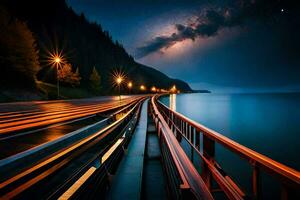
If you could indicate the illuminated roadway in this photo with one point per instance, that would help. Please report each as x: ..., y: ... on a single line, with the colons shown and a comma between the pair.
x: 55, y: 164
x: 24, y: 125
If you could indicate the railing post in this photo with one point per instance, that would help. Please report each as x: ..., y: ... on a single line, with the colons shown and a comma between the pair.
x: 186, y: 129
x: 256, y: 182
x: 190, y: 133
x: 192, y: 141
x: 179, y: 136
x: 197, y: 139
x: 183, y: 128
x: 188, y: 136
x: 171, y: 121
x: 209, y: 153
x: 168, y: 117
x: 286, y: 192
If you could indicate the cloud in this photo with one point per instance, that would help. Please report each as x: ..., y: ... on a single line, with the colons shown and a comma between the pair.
x: 203, y: 26
x: 207, y: 23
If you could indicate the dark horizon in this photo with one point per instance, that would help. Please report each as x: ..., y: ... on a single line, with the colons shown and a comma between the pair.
x: 215, y: 45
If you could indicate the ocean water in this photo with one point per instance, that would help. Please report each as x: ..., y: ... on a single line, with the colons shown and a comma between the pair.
x: 266, y: 123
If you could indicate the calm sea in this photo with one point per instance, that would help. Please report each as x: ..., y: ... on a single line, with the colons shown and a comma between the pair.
x: 266, y: 123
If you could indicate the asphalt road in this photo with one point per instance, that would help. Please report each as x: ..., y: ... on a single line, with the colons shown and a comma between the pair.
x: 24, y: 125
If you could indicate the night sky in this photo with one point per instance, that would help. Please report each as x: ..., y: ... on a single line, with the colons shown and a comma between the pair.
x: 242, y: 45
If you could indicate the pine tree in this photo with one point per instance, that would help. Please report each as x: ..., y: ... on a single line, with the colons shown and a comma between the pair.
x: 18, y: 55
x: 76, y: 77
x: 95, y: 80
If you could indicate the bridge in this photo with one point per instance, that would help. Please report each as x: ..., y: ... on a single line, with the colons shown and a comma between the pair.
x: 129, y: 148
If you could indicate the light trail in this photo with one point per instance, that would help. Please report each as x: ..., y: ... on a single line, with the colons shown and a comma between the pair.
x: 47, y: 118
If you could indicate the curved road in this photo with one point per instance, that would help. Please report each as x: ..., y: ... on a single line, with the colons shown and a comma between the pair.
x: 24, y: 125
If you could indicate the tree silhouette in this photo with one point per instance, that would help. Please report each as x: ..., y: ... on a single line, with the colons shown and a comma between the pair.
x: 95, y: 81
x: 18, y: 55
x: 67, y: 76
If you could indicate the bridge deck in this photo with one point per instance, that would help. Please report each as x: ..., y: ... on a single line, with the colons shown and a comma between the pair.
x: 127, y: 183
x: 154, y: 183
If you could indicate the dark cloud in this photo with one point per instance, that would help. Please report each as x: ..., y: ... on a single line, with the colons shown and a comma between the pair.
x: 210, y: 21
x: 205, y: 26
x: 157, y: 43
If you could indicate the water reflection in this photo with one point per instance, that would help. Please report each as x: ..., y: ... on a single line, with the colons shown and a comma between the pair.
x: 263, y: 122
x: 173, y: 102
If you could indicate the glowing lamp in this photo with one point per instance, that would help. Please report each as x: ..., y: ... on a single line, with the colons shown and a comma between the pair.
x: 57, y: 60
x: 129, y: 85
x: 119, y: 80
x: 153, y: 89
x: 142, y: 87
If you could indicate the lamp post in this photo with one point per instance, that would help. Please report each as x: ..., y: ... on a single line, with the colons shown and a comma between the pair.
x: 57, y: 61
x: 173, y: 89
x: 142, y: 88
x: 129, y: 85
x: 119, y: 80
x: 153, y: 89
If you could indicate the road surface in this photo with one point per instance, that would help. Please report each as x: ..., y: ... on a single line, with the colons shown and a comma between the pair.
x: 24, y: 125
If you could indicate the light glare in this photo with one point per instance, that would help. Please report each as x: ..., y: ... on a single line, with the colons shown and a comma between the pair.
x: 129, y: 85
x: 142, y: 87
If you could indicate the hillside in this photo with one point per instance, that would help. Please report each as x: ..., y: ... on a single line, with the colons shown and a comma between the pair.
x: 85, y: 45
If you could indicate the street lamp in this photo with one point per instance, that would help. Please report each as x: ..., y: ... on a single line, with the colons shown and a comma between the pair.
x: 142, y: 87
x: 119, y: 80
x: 56, y: 59
x: 153, y: 89
x: 173, y: 89
x: 129, y: 85
x: 57, y: 62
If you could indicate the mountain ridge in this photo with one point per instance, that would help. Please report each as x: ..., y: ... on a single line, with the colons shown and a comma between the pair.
x: 85, y: 44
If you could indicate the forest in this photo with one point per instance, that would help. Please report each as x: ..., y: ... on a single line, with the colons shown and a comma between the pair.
x: 30, y: 34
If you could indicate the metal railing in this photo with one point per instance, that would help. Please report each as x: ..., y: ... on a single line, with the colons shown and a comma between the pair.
x: 31, y: 177
x: 97, y: 184
x: 17, y: 163
x: 183, y: 179
x: 202, y: 141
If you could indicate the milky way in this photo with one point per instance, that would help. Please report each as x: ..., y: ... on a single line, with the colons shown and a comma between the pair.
x: 210, y: 20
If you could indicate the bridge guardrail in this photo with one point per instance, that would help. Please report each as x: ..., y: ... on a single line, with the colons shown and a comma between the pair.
x: 61, y: 155
x: 190, y: 130
x: 96, y: 185
x: 21, y: 160
x: 183, y: 178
